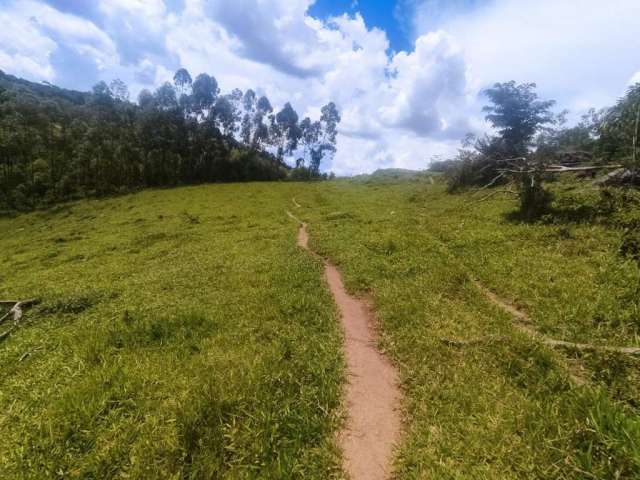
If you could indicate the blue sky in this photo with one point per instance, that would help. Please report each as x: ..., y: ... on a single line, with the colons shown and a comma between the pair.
x: 408, y: 75
x: 396, y: 17
x: 385, y: 15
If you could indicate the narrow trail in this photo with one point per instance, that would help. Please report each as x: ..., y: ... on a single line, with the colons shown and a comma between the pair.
x: 373, y: 393
x: 525, y: 324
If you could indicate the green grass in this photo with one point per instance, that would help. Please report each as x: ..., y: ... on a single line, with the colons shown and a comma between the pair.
x: 181, y: 334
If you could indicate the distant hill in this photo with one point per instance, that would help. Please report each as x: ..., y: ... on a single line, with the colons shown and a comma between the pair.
x: 43, y: 90
x: 396, y: 172
x: 392, y: 174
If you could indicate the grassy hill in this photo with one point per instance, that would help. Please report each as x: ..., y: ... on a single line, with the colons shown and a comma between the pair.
x: 181, y: 334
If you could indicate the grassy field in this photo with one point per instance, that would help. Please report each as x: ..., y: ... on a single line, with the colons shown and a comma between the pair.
x: 181, y: 334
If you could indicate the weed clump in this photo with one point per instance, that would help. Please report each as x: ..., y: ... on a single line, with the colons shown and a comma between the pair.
x: 191, y: 219
x: 338, y: 216
x: 74, y: 303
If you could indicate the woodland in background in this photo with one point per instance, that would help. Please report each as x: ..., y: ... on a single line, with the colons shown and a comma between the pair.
x: 58, y: 144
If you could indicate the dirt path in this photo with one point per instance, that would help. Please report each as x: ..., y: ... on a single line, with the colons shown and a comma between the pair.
x: 373, y: 393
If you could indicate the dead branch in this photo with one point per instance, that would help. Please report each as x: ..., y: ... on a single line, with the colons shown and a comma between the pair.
x: 558, y: 169
x: 28, y: 354
x: 16, y: 312
x: 6, y: 333
x: 5, y: 316
x: 591, y: 348
x: 487, y: 197
x: 490, y: 184
x: 454, y: 342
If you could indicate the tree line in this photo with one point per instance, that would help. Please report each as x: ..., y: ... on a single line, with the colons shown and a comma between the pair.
x: 58, y: 144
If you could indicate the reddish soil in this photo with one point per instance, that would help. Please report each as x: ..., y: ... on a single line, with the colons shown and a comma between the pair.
x: 372, y: 395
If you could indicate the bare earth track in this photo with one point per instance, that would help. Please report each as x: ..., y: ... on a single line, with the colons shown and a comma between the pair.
x: 525, y: 325
x: 373, y: 393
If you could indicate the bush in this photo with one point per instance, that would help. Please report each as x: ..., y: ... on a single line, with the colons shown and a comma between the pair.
x: 470, y: 169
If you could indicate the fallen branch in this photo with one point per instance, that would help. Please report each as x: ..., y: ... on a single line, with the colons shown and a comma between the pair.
x: 558, y: 169
x: 590, y: 348
x: 25, y: 355
x: 487, y: 197
x: 454, y: 342
x: 491, y: 183
x: 16, y: 312
x: 6, y: 333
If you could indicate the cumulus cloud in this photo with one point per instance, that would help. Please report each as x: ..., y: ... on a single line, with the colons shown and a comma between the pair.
x: 270, y: 32
x: 435, y: 71
x: 579, y: 53
x: 25, y: 49
x: 390, y: 105
x: 32, y: 34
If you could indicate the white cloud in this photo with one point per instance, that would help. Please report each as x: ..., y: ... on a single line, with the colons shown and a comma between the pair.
x: 31, y: 33
x: 427, y: 90
x: 24, y: 50
x: 634, y: 79
x: 349, y: 66
x: 579, y: 53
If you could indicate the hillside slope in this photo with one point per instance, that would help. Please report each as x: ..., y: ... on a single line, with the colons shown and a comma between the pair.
x: 181, y: 333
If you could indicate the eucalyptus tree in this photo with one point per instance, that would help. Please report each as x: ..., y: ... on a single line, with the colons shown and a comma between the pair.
x: 224, y: 114
x: 286, y: 131
x: 119, y: 90
x: 204, y: 94
x: 182, y: 80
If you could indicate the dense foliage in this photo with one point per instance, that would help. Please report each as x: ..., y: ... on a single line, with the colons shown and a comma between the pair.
x: 58, y: 144
x: 619, y: 129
